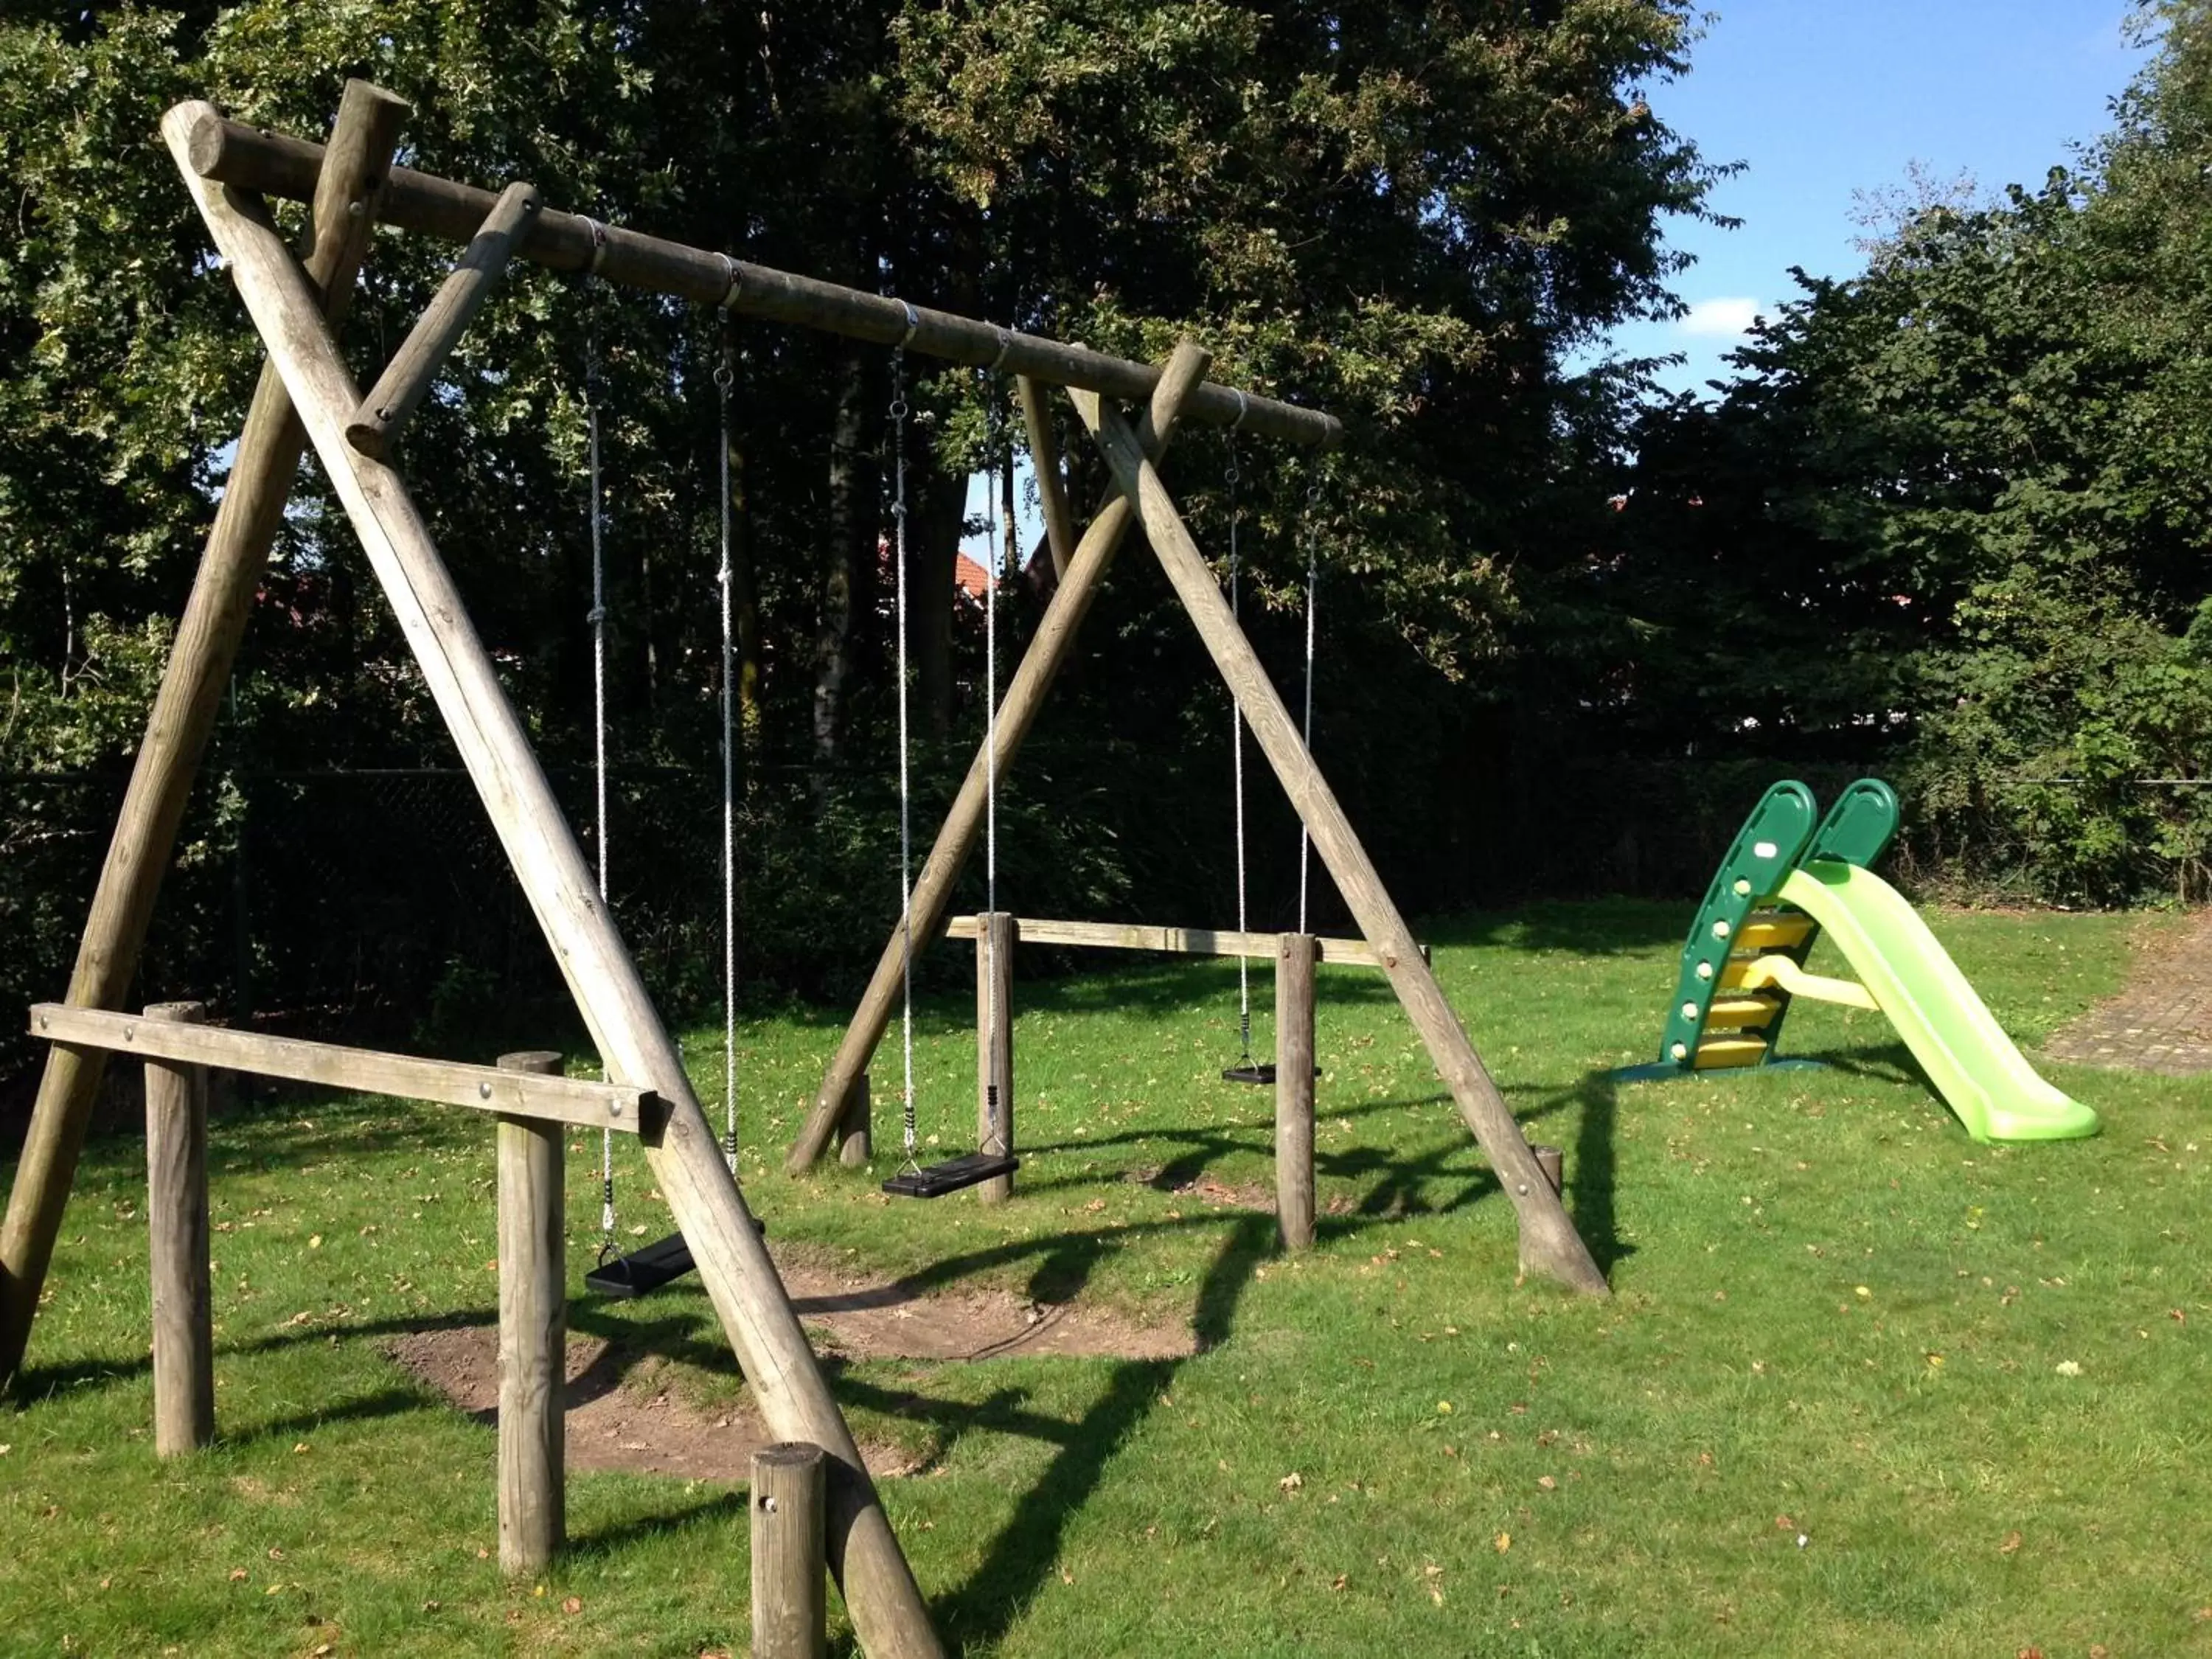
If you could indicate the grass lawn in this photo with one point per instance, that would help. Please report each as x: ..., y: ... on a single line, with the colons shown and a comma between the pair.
x: 1863, y: 1385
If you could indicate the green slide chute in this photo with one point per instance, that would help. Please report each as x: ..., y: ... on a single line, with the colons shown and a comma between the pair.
x: 1976, y: 1067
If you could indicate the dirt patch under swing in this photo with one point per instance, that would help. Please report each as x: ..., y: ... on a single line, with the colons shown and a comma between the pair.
x: 622, y: 1415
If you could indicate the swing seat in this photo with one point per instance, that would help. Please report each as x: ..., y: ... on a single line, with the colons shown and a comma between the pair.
x: 968, y: 1169
x: 646, y: 1270
x: 643, y: 1271
x: 1262, y: 1073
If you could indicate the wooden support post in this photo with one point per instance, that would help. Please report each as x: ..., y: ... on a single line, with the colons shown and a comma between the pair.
x: 1052, y: 487
x: 346, y: 198
x: 1055, y: 638
x: 856, y: 1128
x: 790, y: 1613
x: 1549, y: 1243
x: 176, y: 1223
x: 407, y: 379
x: 889, y: 1616
x: 995, y: 934
x: 1294, y: 1090
x: 534, y: 1333
x: 1553, y: 1164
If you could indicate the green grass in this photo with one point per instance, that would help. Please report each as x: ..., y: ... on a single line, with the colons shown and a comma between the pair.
x: 1834, y: 1316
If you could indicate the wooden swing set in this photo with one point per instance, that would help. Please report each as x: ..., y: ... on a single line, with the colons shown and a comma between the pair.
x: 305, y: 396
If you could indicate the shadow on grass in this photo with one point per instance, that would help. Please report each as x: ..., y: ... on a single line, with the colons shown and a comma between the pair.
x: 725, y: 1507
x: 1017, y: 1561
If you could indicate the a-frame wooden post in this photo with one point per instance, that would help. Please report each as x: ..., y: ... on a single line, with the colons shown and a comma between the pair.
x: 344, y: 215
x: 1040, y: 663
x: 1549, y: 1243
x: 879, y: 1589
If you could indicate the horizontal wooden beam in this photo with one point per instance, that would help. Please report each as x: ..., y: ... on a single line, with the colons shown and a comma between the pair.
x: 1176, y: 941
x: 275, y: 164
x: 517, y: 1094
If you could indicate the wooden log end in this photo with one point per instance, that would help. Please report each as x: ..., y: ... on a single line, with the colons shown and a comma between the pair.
x: 544, y: 1062
x: 366, y: 433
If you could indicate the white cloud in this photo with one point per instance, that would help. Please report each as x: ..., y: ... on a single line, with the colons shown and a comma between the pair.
x: 1722, y: 319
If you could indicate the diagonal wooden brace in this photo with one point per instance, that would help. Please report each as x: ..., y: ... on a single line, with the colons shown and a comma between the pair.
x: 888, y: 1613
x: 1549, y: 1242
x: 354, y: 171
x: 406, y: 380
x: 1040, y: 664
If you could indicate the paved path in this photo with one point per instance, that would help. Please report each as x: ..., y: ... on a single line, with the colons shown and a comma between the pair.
x: 2162, y: 1022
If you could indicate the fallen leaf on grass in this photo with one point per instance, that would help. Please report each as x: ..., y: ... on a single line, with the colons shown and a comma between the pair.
x: 238, y: 1574
x: 2068, y: 1368
x: 573, y: 1604
x: 1546, y: 1482
x: 1338, y: 1583
x: 1502, y: 1543
x: 2011, y: 1543
x: 1291, y: 1482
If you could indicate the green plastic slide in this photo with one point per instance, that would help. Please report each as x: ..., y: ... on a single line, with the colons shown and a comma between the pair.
x: 1974, y: 1065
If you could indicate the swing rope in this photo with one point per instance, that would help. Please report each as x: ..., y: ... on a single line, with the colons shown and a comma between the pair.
x: 725, y: 378
x: 898, y: 412
x: 1313, y: 589
x: 1236, y: 774
x: 996, y: 1139
x: 598, y: 619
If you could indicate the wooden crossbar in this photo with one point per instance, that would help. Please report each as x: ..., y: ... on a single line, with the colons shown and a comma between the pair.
x: 1177, y: 941
x: 246, y: 158
x: 365, y: 1071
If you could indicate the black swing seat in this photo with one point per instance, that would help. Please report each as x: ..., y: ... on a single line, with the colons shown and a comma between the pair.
x: 645, y: 1271
x: 1261, y: 1072
x: 968, y: 1169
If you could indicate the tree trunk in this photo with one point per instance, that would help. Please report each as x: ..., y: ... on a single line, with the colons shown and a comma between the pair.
x: 744, y: 606
x: 933, y: 545
x: 840, y: 567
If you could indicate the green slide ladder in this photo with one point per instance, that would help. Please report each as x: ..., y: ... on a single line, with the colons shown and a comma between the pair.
x: 1783, y: 882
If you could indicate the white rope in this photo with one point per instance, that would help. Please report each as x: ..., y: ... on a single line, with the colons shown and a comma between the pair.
x: 1237, y: 779
x: 993, y: 555
x: 599, y: 620
x: 1313, y: 583
x: 906, y: 815
x: 725, y: 376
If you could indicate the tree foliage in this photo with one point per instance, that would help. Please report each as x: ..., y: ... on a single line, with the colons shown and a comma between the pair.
x: 1409, y: 215
x: 1951, y: 517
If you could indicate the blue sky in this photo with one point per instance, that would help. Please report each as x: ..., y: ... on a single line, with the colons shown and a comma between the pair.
x: 1821, y: 98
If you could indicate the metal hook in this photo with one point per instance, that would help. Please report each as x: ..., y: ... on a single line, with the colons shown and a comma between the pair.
x: 734, y: 280
x: 1243, y: 408
x: 1005, y: 344
x: 912, y: 324
x: 598, y: 242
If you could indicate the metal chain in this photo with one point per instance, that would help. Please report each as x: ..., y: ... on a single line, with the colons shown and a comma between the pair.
x: 898, y: 413
x: 725, y: 378
x: 1237, y: 770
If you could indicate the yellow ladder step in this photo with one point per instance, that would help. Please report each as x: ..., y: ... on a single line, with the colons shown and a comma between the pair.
x: 1751, y: 1009
x: 1772, y: 930
x: 1720, y: 1054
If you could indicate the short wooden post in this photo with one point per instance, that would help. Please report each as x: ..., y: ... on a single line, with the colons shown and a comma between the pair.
x: 1553, y: 1162
x: 534, y: 1321
x: 995, y: 934
x: 177, y: 1221
x: 1294, y: 1090
x: 789, y: 1613
x: 856, y: 1128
